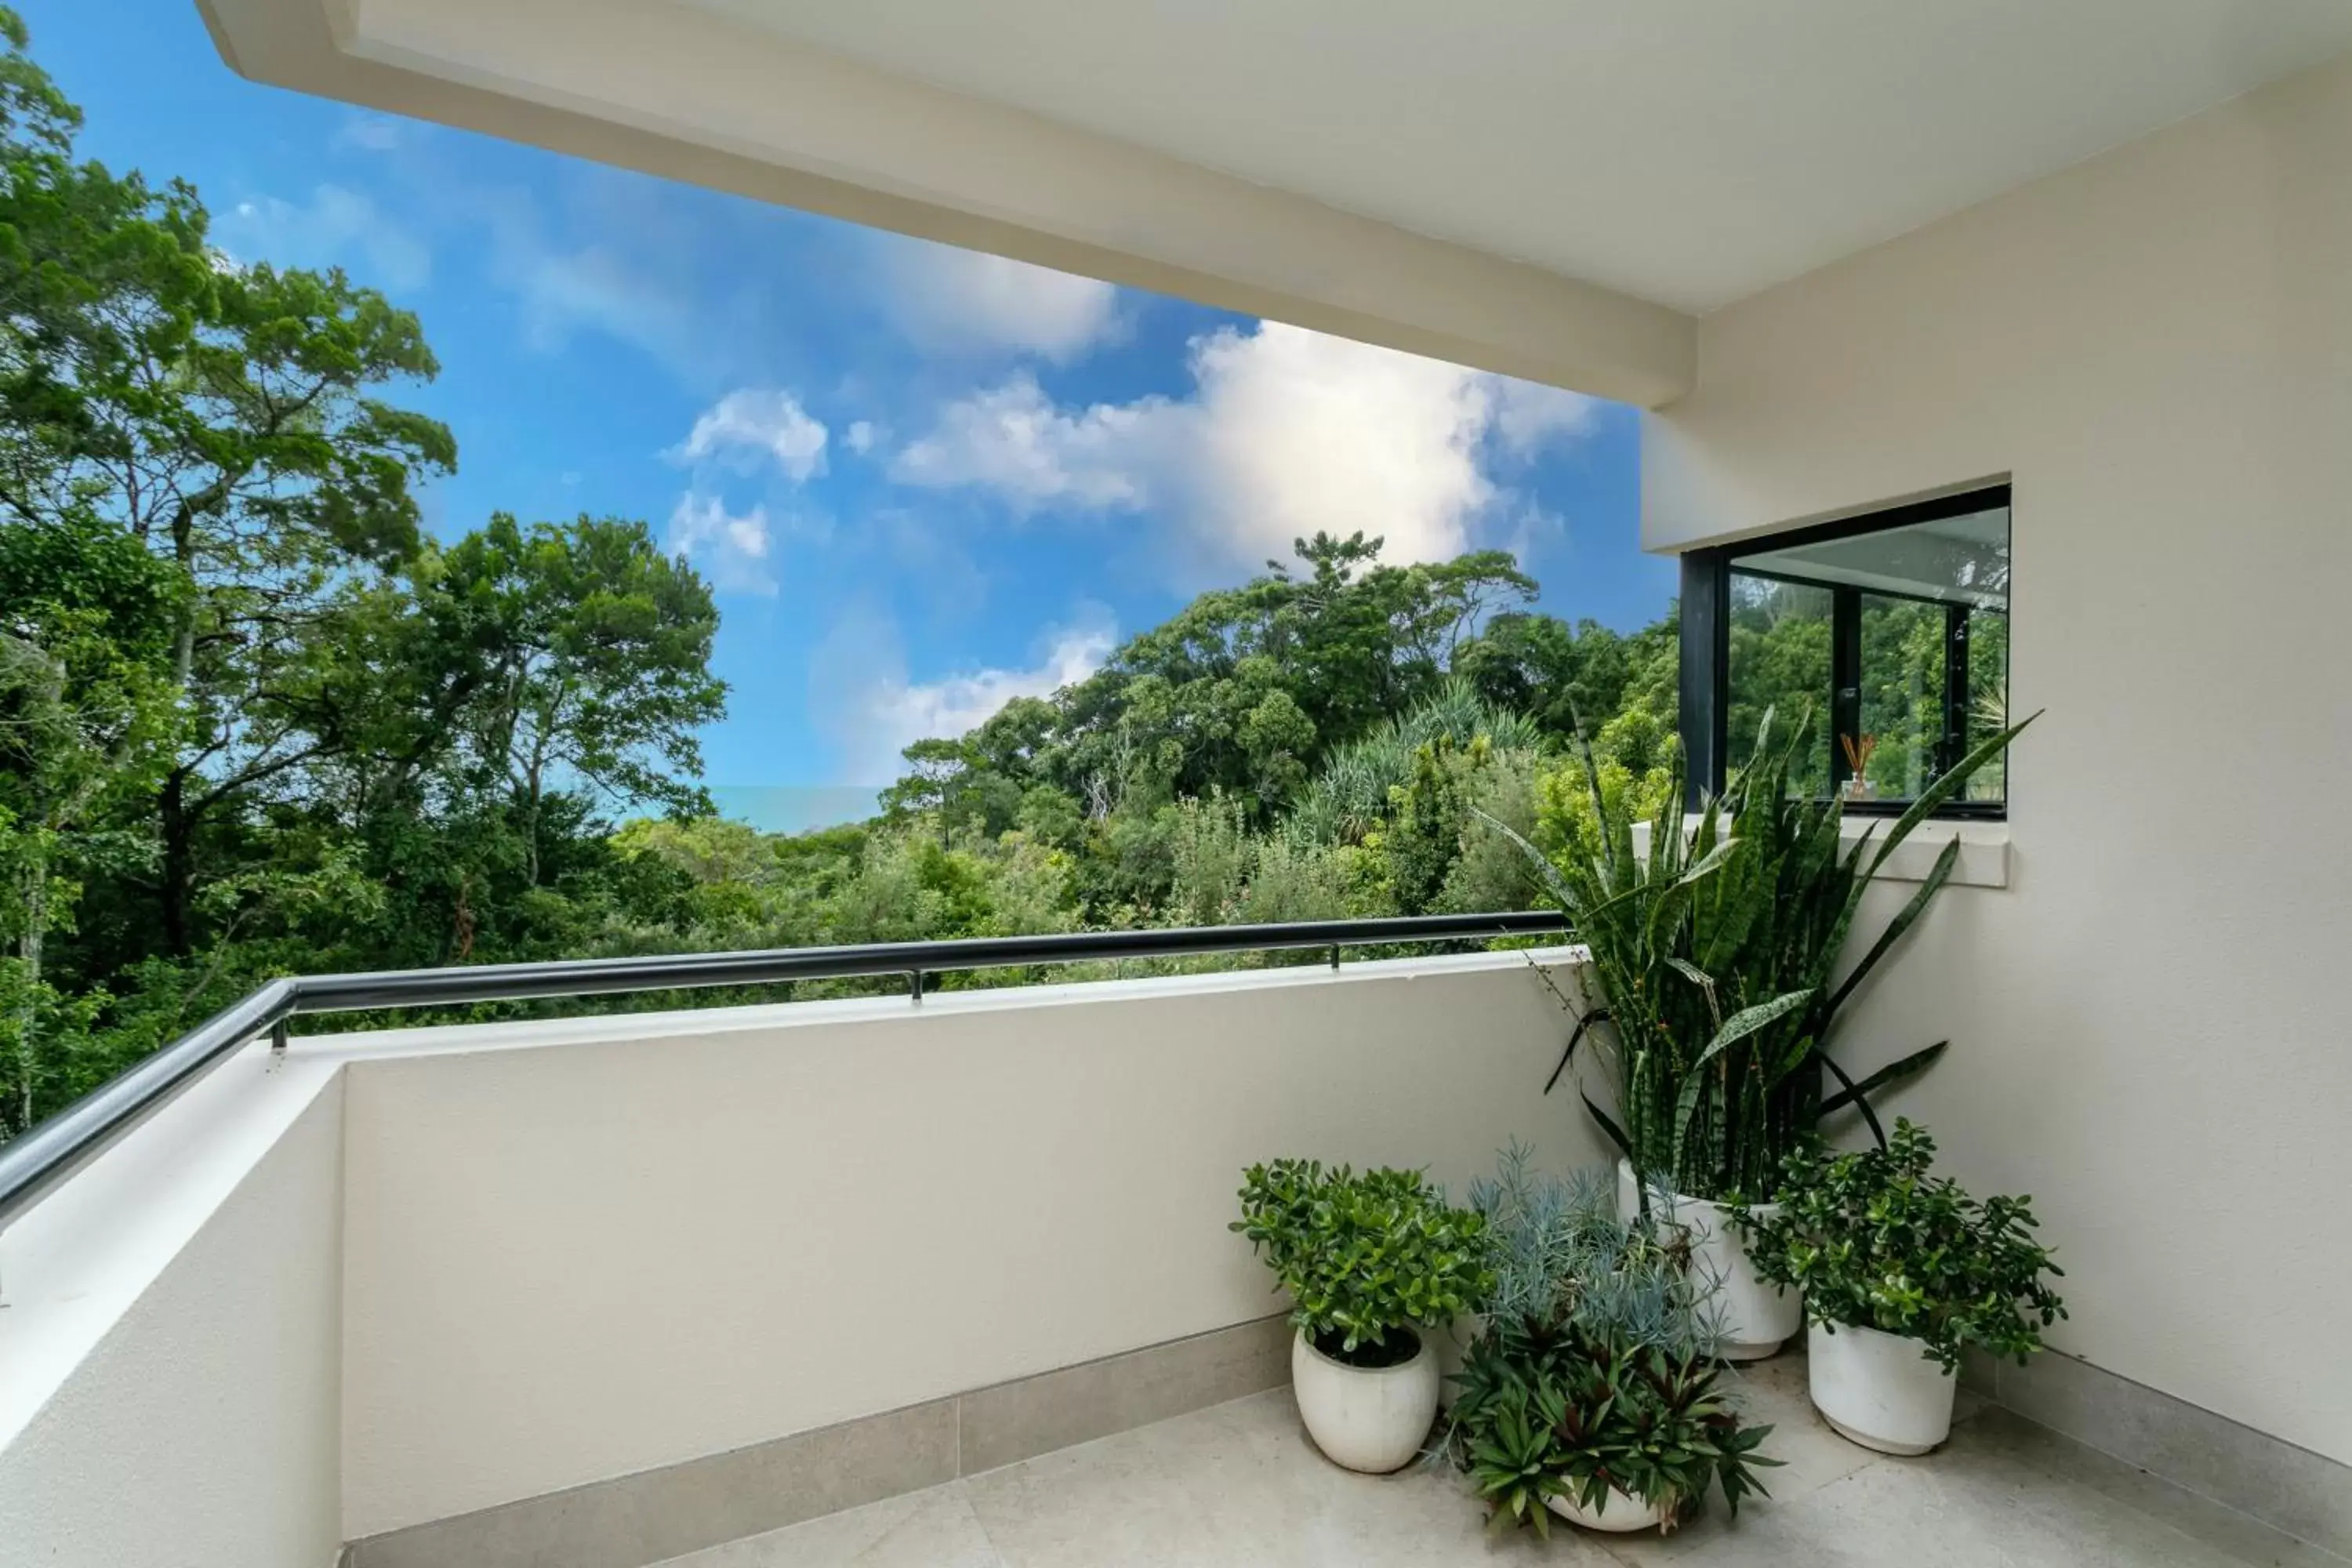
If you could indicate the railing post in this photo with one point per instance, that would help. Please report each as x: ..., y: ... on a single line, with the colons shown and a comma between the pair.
x: 915, y: 986
x: 278, y: 1037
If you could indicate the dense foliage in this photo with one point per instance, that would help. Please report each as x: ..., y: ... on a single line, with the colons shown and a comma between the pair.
x: 1595, y: 1370
x: 256, y: 719
x: 1362, y: 1257
x: 1874, y: 1241
x: 252, y: 717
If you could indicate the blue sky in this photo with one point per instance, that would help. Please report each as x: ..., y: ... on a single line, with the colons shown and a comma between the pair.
x: 921, y: 480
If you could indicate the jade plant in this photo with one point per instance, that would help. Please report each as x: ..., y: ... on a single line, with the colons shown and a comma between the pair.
x: 1595, y: 1372
x: 1365, y: 1257
x: 1874, y: 1241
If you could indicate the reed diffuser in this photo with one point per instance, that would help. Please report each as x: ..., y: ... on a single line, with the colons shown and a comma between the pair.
x: 1858, y: 749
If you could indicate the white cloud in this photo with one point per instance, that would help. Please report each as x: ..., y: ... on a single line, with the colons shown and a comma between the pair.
x: 1012, y: 440
x: 745, y: 432
x: 1287, y: 432
x: 957, y: 703
x: 751, y: 423
x: 967, y: 301
x: 733, y: 549
x: 374, y: 132
x: 862, y: 695
x: 862, y: 436
x: 1529, y: 416
x: 336, y: 227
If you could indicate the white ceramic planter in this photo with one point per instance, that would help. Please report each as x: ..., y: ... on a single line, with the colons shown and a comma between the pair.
x: 1366, y: 1418
x: 1758, y: 1318
x: 1621, y: 1511
x: 1878, y: 1390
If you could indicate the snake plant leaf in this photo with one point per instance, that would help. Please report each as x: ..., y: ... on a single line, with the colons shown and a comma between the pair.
x: 1747, y: 1021
x: 1616, y: 1133
x: 1554, y: 883
x: 1800, y: 1051
x: 1735, y: 1028
x: 1855, y: 1096
x: 1937, y: 875
x: 1931, y: 799
x: 1892, y: 1072
x: 1862, y: 844
x: 1692, y: 973
x: 1708, y: 864
x: 1600, y: 808
x: 1583, y: 1023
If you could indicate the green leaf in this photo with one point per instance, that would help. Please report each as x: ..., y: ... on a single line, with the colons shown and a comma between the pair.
x: 1916, y: 1062
x: 1553, y: 881
x: 1616, y: 1133
x: 1749, y: 1021
x: 1936, y: 877
x: 1931, y: 799
x: 1692, y: 973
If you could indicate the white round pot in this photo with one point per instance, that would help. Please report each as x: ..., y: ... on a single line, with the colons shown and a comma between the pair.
x: 1878, y: 1389
x: 1758, y: 1317
x: 1367, y: 1418
x: 1619, y: 1511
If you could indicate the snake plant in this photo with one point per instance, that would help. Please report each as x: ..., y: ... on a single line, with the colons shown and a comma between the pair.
x: 1717, y: 961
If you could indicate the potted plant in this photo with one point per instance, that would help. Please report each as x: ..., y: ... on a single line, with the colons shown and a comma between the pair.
x: 1901, y: 1271
x: 1712, y: 997
x: 1593, y: 1389
x: 1369, y: 1261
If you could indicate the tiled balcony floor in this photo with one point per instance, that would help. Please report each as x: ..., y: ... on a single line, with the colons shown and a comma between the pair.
x: 1238, y: 1485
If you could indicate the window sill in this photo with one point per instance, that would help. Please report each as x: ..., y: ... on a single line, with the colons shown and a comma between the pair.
x: 1984, y: 848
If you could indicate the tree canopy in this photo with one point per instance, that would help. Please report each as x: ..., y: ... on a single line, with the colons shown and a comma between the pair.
x: 256, y: 719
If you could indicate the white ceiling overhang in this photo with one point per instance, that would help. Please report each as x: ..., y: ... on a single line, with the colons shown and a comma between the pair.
x: 1551, y: 190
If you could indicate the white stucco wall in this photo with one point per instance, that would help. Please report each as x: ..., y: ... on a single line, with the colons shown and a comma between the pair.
x: 2148, y: 1035
x: 570, y: 1263
x: 170, y: 1355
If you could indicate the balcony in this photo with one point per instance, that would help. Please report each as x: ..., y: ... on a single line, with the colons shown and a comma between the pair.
x: 937, y: 1280
x: 947, y: 1280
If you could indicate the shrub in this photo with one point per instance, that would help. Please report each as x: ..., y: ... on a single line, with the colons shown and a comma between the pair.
x: 1874, y: 1240
x: 1362, y: 1256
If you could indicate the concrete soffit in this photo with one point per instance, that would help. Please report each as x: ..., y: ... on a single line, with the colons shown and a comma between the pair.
x: 680, y: 94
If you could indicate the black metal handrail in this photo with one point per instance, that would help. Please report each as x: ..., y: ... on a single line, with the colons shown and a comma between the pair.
x: 32, y: 1164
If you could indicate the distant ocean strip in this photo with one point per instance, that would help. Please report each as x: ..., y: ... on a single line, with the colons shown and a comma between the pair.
x: 794, y: 808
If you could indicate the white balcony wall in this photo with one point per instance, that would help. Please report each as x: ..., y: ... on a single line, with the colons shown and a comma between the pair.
x: 170, y: 1352
x: 2156, y: 344
x: 574, y: 1253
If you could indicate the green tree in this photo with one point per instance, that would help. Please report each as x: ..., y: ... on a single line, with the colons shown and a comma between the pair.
x: 591, y: 648
x: 1425, y: 832
x: 86, y: 717
x: 224, y: 416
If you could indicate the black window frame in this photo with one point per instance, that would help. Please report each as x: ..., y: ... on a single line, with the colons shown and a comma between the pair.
x: 1704, y: 688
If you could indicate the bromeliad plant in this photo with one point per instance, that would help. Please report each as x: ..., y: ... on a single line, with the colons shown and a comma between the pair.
x: 1714, y: 955
x: 1875, y: 1242
x: 1595, y: 1372
x: 1597, y: 1416
x: 1363, y: 1257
